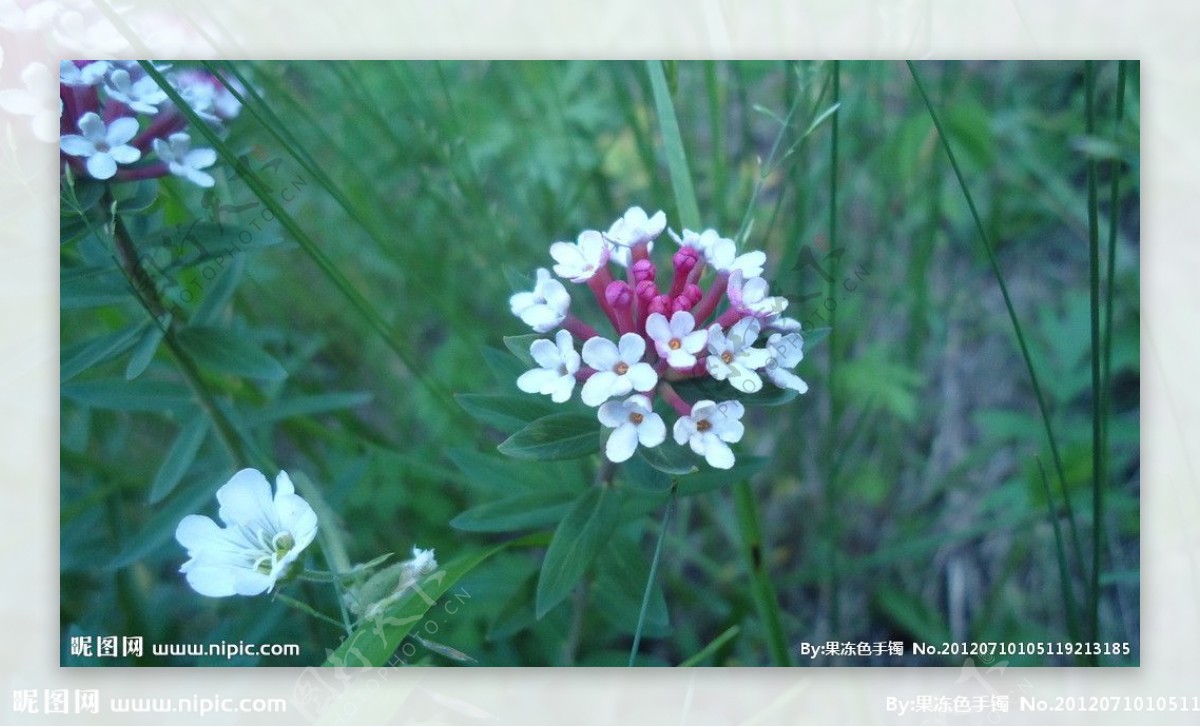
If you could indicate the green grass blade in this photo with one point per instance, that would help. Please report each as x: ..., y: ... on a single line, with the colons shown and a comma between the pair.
x: 662, y: 534
x: 1098, y: 474
x: 832, y: 520
x: 1064, y: 571
x: 765, y: 600
x: 1012, y: 313
x: 372, y: 317
x: 713, y: 646
x: 677, y: 163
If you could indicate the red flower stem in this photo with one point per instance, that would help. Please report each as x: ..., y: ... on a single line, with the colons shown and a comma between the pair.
x: 578, y: 328
x: 709, y: 302
x: 673, y: 398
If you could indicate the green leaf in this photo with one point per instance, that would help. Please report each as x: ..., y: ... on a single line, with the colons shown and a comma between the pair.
x: 374, y: 642
x: 179, y: 457
x: 82, y: 357
x: 519, y: 345
x: 507, y: 413
x: 711, y: 479
x: 681, y: 177
x: 306, y: 405
x: 641, y: 476
x: 504, y: 367
x: 557, y: 436
x: 489, y: 473
x: 94, y: 291
x: 516, y: 614
x: 121, y: 395
x: 135, y: 198
x: 622, y: 571
x: 523, y: 510
x: 669, y: 457
x: 693, y: 390
x: 815, y: 336
x: 222, y: 351
x: 577, y: 540
x: 210, y: 308
x: 144, y: 352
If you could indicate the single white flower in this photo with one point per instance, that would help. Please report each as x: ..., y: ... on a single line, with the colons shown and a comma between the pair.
x: 677, y: 341
x: 70, y: 74
x: 556, y: 377
x: 35, y: 100
x: 206, y: 95
x: 749, y: 295
x: 722, y: 255
x: 544, y: 308
x: 185, y: 162
x: 142, y: 95
x: 619, y: 368
x: 633, y: 421
x: 103, y: 146
x: 632, y: 229
x: 580, y: 261
x: 708, y: 429
x: 731, y: 356
x: 263, y: 536
x: 786, y: 350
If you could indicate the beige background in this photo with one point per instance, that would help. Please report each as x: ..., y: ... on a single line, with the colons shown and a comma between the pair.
x: 1162, y: 34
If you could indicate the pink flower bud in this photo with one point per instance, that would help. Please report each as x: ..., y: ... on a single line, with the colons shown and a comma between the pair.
x: 643, y: 270
x: 646, y: 290
x: 619, y: 294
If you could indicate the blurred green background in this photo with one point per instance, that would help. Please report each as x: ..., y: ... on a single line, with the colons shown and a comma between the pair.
x: 902, y: 499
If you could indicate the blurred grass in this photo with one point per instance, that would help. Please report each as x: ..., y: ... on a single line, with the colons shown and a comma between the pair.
x: 412, y: 186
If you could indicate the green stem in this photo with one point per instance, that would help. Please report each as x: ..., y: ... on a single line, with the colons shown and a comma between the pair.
x: 985, y: 240
x: 308, y: 610
x: 1098, y: 475
x: 662, y: 534
x: 831, y: 516
x: 713, y: 646
x: 765, y: 600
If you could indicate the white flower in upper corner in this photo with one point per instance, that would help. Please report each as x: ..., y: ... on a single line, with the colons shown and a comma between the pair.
x: 731, y: 356
x: 580, y: 261
x: 749, y: 295
x: 633, y: 228
x: 544, y: 308
x: 633, y: 421
x: 786, y: 350
x: 206, y: 95
x: 677, y: 341
x: 103, y: 146
x: 71, y: 74
x: 185, y: 162
x: 619, y: 368
x: 143, y: 95
x: 708, y: 429
x: 558, y: 361
x: 263, y: 536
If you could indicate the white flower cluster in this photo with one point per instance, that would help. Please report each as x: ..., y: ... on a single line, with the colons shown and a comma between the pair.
x: 103, y: 100
x: 703, y: 322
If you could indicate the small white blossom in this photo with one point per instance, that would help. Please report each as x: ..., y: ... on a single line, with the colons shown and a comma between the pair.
x: 263, y: 536
x: 206, y: 95
x: 558, y: 362
x: 786, y: 350
x: 142, y: 95
x: 633, y: 421
x: 632, y: 229
x: 544, y: 308
x: 677, y: 341
x: 103, y: 146
x: 185, y: 162
x: 708, y: 429
x: 619, y: 368
x: 36, y: 100
x: 90, y: 74
x: 731, y: 356
x: 749, y: 295
x: 722, y: 255
x: 580, y: 261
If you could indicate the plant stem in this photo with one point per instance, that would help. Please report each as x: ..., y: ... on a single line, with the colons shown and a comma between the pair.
x: 713, y: 646
x: 831, y: 519
x: 1098, y: 473
x: 765, y: 600
x: 662, y: 534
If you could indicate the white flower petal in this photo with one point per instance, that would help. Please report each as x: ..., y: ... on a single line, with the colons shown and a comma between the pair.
x: 76, y: 145
x: 120, y: 131
x: 622, y: 442
x: 642, y: 376
x: 125, y: 154
x: 598, y: 388
x: 101, y: 166
x: 601, y: 353
x: 652, y: 431
x: 245, y: 499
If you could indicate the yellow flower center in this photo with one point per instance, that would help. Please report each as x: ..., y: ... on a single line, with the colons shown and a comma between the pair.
x: 635, y: 417
x: 674, y: 344
x: 727, y: 357
x: 621, y: 368
x: 703, y: 425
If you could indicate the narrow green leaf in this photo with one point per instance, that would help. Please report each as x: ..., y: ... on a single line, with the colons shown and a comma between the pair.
x: 640, y: 475
x: 677, y: 164
x: 222, y: 351
x: 519, y: 345
x: 151, y: 536
x: 93, y: 291
x: 668, y: 457
x: 144, y: 352
x: 522, y: 510
x: 84, y: 356
x: 135, y: 198
x: 489, y: 473
x: 815, y: 336
x: 179, y: 457
x: 216, y: 299
x: 507, y: 413
x: 517, y: 613
x: 622, y: 571
x: 121, y: 395
x: 306, y: 405
x: 576, y: 542
x: 374, y: 642
x: 557, y: 436
x: 709, y: 478
x: 713, y: 646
